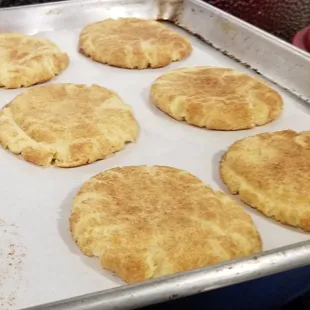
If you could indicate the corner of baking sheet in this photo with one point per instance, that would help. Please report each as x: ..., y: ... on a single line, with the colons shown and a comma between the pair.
x: 169, y: 9
x: 266, y: 54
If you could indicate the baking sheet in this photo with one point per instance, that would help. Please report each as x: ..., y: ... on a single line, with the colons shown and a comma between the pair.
x: 36, y: 201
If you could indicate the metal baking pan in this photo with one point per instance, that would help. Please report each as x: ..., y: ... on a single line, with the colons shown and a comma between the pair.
x: 40, y: 263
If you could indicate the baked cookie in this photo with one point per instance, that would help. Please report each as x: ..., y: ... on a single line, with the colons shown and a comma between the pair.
x: 66, y: 124
x: 133, y: 43
x: 271, y: 172
x: 146, y: 222
x: 28, y: 60
x: 216, y: 98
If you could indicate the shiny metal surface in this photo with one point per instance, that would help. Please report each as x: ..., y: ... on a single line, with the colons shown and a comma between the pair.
x: 189, y: 283
x: 276, y: 60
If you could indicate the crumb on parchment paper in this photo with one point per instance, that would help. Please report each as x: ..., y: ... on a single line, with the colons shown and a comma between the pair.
x: 12, y: 252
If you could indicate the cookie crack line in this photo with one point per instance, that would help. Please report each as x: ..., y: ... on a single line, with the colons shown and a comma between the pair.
x: 40, y: 154
x: 9, y: 125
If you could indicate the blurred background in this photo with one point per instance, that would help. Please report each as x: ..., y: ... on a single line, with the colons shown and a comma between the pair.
x: 280, y: 17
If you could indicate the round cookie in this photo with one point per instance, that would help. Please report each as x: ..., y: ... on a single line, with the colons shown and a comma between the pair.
x: 66, y: 124
x: 271, y: 172
x: 133, y: 43
x: 146, y: 222
x: 216, y: 98
x: 28, y: 60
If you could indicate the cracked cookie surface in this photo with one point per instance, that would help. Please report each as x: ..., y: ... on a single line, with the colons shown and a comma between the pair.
x: 66, y: 124
x: 133, y: 43
x: 271, y: 173
x: 144, y: 222
x: 28, y: 60
x: 216, y: 98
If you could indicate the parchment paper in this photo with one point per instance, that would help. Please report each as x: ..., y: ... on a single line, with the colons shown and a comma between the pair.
x: 38, y: 200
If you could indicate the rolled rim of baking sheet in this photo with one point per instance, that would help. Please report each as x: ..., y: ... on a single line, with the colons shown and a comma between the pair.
x: 189, y: 283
